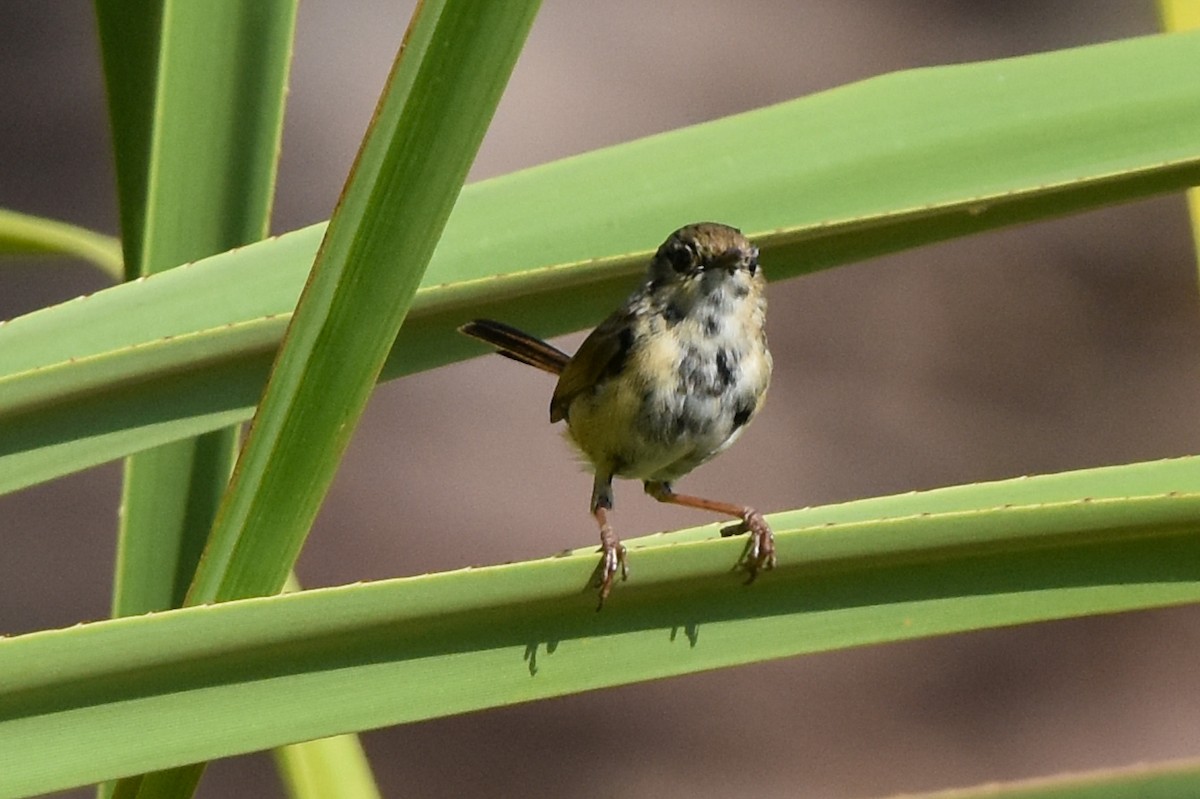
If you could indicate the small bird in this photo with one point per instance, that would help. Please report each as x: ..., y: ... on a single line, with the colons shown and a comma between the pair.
x: 666, y: 382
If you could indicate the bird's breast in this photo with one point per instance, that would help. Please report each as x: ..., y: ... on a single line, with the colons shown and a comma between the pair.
x: 691, y: 383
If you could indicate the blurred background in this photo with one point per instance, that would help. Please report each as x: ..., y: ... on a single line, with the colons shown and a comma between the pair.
x: 1049, y: 347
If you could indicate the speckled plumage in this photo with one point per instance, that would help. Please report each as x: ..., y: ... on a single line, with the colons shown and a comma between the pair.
x: 666, y: 382
x: 691, y: 365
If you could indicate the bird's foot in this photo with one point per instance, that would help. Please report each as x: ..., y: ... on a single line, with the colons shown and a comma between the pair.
x: 760, y: 550
x: 612, y: 560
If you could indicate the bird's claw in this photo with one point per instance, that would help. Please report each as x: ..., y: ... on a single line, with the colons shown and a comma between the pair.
x: 760, y: 549
x: 612, y: 561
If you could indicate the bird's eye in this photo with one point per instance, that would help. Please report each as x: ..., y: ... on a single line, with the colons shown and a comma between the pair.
x: 681, y: 257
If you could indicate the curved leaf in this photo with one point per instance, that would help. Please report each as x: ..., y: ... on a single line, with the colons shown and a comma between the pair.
x: 258, y: 673
x: 1175, y: 779
x: 23, y: 234
x: 869, y: 168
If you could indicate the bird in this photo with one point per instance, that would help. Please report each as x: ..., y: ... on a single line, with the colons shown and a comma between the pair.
x: 669, y: 380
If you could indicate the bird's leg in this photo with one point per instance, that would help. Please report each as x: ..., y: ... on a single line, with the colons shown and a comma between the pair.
x: 612, y: 550
x: 761, y: 553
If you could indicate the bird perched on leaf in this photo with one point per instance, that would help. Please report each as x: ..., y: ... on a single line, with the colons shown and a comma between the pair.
x: 666, y: 382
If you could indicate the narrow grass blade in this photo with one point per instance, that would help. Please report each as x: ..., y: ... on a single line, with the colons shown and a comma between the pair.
x: 22, y: 234
x: 1177, y: 779
x: 131, y: 36
x: 107, y: 697
x: 1184, y: 15
x: 327, y: 767
x: 430, y: 120
x: 1179, y: 15
x: 196, y: 105
x: 427, y: 127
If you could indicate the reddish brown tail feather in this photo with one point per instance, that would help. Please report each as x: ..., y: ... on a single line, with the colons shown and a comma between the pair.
x: 519, y: 346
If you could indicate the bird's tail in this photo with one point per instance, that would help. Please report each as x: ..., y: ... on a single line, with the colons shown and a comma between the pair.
x: 519, y: 346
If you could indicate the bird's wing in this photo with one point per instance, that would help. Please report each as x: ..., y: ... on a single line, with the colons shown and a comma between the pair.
x: 602, y: 355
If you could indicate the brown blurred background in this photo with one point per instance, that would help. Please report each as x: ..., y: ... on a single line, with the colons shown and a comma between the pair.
x: 1050, y: 347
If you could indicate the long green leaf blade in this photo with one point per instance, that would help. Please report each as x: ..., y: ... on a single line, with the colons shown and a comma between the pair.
x: 327, y: 767
x: 820, y: 181
x: 258, y: 673
x: 434, y: 110
x: 1184, y: 15
x: 196, y: 104
x: 428, y: 125
x: 196, y: 176
x: 1178, y: 779
x: 131, y: 38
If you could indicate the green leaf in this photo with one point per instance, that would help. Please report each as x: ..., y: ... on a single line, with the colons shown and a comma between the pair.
x: 434, y: 110
x: 427, y: 127
x: 327, y: 767
x: 131, y: 35
x: 258, y: 673
x: 196, y: 96
x: 1184, y: 15
x: 1179, y: 15
x: 196, y: 104
x: 22, y: 234
x: 1179, y: 779
x: 869, y: 168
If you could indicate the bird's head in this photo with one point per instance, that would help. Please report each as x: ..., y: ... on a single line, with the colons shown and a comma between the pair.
x: 704, y: 258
